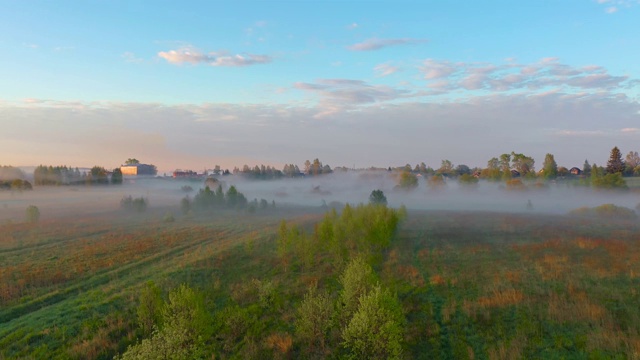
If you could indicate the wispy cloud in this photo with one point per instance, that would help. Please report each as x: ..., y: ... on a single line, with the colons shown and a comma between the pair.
x: 194, y: 56
x: 131, y: 58
x: 352, y: 26
x: 338, y: 95
x: 181, y: 135
x: 613, y: 6
x: 581, y: 133
x: 377, y: 44
x: 385, y: 69
x: 512, y: 76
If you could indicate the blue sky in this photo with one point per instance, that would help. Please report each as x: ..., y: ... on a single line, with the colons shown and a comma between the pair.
x: 360, y: 82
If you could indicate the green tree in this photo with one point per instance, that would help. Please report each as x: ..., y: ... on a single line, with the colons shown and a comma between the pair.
x: 493, y: 170
x: 522, y: 164
x: 550, y: 168
x: 232, y: 197
x: 505, y: 166
x: 356, y: 280
x: 377, y: 197
x: 376, y: 330
x: 116, y: 176
x: 132, y: 161
x: 446, y: 168
x: 407, y: 181
x: 98, y: 175
x: 615, y: 163
x: 462, y: 170
x: 313, y: 321
x: 185, y: 205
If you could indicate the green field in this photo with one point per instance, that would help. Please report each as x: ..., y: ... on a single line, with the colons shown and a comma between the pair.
x: 475, y: 285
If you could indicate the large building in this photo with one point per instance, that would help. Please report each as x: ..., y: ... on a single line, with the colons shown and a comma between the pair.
x: 138, y: 169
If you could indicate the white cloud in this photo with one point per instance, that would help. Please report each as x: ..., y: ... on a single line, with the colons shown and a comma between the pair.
x: 338, y: 95
x: 540, y: 76
x: 352, y: 26
x: 377, y: 44
x: 194, y: 56
x: 613, y: 6
x: 131, y: 58
x: 385, y: 69
x: 433, y: 69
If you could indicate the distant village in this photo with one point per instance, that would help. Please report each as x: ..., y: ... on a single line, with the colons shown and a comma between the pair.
x: 506, y: 167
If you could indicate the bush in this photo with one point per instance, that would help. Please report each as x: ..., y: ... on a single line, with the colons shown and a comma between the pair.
x: 609, y: 211
x: 138, y: 204
x: 467, y: 179
x: 516, y: 185
x: 436, y: 182
x: 168, y: 218
x: 32, y: 214
x: 610, y: 181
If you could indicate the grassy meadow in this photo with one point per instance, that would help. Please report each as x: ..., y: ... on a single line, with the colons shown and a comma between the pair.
x: 469, y: 285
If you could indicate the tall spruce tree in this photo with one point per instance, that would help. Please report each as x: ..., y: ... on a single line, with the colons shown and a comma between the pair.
x: 615, y: 163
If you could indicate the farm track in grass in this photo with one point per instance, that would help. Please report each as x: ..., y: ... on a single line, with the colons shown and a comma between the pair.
x: 187, y: 239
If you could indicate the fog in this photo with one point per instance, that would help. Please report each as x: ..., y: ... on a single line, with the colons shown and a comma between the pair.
x: 333, y: 190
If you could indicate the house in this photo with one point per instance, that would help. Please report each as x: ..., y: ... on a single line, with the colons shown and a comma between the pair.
x: 575, y: 171
x: 138, y: 169
x: 186, y: 174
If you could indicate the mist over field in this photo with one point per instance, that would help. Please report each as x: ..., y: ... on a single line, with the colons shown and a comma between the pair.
x: 333, y: 190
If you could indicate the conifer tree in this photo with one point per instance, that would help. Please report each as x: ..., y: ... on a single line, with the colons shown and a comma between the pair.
x: 615, y: 163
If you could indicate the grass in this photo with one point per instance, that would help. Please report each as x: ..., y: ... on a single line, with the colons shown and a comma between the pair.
x: 472, y: 285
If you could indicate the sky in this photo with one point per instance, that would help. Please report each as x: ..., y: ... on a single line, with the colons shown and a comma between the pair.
x: 194, y: 84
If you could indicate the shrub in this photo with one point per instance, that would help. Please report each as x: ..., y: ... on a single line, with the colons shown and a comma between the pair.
x: 168, y: 218
x: 468, y: 180
x: 32, y: 214
x: 609, y: 211
x: 436, y: 182
x: 515, y: 185
x: 138, y: 204
x: 609, y: 181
